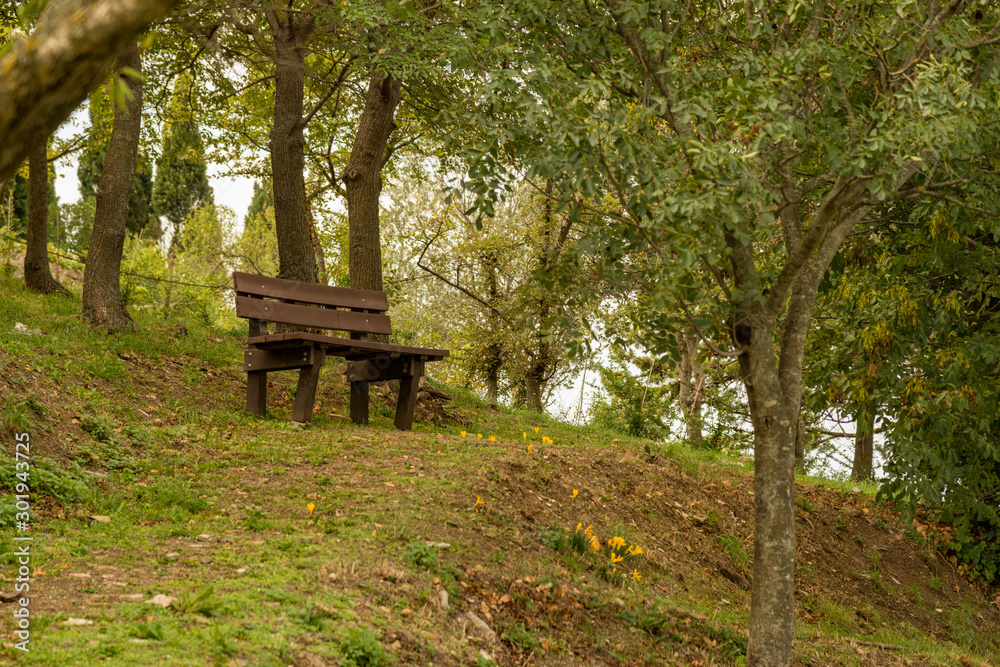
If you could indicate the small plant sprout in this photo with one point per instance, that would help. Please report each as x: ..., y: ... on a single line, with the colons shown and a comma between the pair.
x: 310, y: 507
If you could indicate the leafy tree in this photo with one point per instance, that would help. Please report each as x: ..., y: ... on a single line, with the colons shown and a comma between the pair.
x: 257, y: 246
x: 741, y: 144
x: 638, y: 404
x: 513, y: 339
x: 181, y: 185
x: 917, y: 343
x: 262, y: 200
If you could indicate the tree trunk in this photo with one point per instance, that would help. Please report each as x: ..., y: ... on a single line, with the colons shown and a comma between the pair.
x: 290, y: 31
x: 540, y: 363
x: 800, y: 446
x: 317, y: 247
x: 102, y: 297
x: 691, y: 379
x: 864, y: 448
x: 492, y: 378
x: 534, y: 386
x: 44, y: 77
x: 494, y: 351
x: 37, y: 274
x: 772, y: 609
x: 363, y: 180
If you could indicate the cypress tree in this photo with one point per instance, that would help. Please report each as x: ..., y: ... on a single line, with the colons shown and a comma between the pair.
x: 181, y: 184
x: 263, y: 199
x: 18, y: 205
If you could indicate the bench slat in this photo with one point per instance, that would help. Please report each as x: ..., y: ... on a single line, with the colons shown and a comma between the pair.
x: 321, y: 295
x: 277, y: 360
x: 308, y: 316
x: 346, y: 345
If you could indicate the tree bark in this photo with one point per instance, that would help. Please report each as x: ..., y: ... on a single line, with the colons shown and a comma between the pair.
x: 864, y: 448
x: 102, y: 296
x: 493, y: 361
x: 45, y: 76
x: 534, y: 387
x: 772, y: 609
x: 800, y: 447
x: 37, y: 274
x: 290, y: 31
x: 363, y: 179
x: 691, y: 379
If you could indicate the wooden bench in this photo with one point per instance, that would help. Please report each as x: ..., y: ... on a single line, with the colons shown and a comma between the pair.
x: 359, y: 313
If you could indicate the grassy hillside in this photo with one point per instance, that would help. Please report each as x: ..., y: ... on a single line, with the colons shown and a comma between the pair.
x: 538, y: 543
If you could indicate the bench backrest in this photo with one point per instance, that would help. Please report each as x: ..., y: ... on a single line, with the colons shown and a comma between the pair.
x: 262, y: 299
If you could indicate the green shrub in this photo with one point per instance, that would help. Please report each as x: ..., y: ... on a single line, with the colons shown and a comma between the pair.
x: 361, y: 648
x: 421, y: 554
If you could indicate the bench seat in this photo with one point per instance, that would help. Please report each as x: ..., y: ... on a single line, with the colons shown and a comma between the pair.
x: 343, y: 347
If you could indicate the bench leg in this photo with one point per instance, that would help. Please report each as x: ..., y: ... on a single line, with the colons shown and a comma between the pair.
x: 257, y: 393
x: 305, y: 393
x: 408, y: 388
x: 359, y: 402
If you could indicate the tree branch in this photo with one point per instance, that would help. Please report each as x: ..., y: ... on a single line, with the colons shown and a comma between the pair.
x: 43, y: 78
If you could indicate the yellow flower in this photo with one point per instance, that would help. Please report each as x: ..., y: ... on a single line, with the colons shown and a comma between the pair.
x: 536, y: 429
x: 546, y: 440
x: 588, y: 529
x: 595, y: 544
x: 636, y: 575
x: 479, y: 436
x: 493, y: 438
x: 616, y: 542
x: 635, y: 549
x: 463, y: 434
x: 579, y: 526
x: 616, y: 559
x: 310, y: 507
x: 576, y: 492
x: 479, y: 501
x: 528, y: 449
